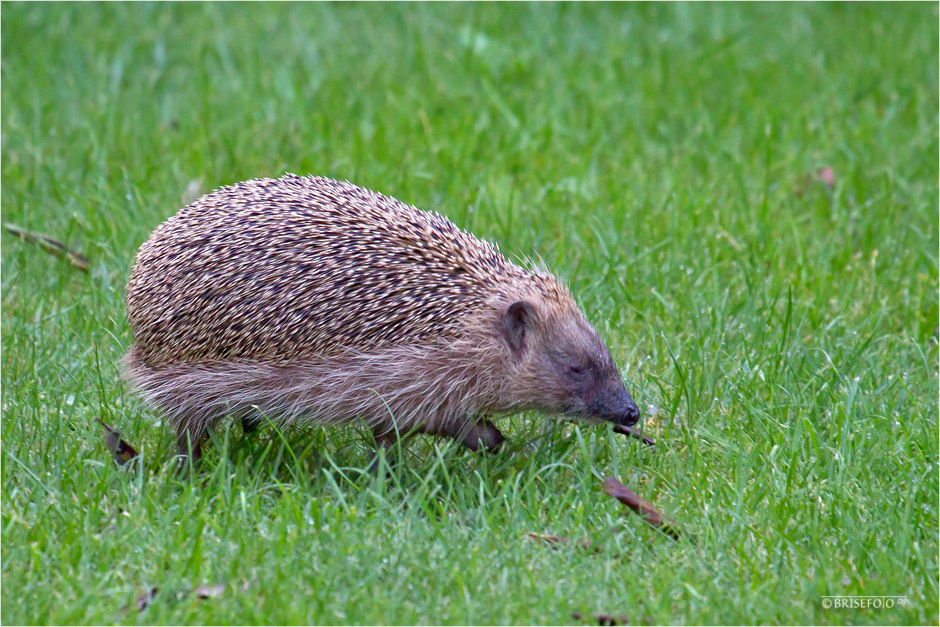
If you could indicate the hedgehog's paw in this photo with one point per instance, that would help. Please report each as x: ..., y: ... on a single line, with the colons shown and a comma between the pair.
x: 481, y: 436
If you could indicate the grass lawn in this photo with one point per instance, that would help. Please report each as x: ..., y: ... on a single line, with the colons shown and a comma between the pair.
x: 743, y: 198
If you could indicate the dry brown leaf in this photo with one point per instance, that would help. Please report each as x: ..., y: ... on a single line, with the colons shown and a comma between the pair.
x: 121, y: 451
x: 640, y: 507
x: 143, y: 600
x: 603, y: 619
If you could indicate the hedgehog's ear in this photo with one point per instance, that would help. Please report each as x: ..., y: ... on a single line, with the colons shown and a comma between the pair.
x: 518, y: 318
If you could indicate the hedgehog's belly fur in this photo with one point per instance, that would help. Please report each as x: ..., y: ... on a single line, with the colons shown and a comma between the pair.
x: 391, y: 390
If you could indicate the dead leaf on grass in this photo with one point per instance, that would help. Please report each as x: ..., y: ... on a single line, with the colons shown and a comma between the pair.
x: 121, y: 451
x: 602, y: 619
x: 640, y: 507
x: 143, y: 600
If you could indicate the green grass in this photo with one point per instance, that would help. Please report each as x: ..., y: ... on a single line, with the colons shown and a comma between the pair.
x: 783, y: 346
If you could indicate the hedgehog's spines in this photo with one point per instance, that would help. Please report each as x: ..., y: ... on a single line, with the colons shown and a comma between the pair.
x: 276, y: 267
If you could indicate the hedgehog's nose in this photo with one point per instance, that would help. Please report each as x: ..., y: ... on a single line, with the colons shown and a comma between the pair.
x: 631, y: 415
x: 619, y: 409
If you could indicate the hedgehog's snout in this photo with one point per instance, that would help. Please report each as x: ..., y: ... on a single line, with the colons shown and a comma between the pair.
x: 619, y: 409
x: 630, y: 415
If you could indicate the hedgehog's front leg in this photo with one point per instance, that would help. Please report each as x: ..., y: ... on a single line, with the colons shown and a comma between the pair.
x: 383, y: 442
x: 476, y: 435
x: 482, y: 435
x: 250, y: 424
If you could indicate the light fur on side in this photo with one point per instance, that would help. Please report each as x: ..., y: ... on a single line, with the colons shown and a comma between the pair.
x: 395, y: 390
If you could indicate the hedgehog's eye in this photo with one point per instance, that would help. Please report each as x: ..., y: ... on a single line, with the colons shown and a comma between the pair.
x: 580, y: 369
x: 579, y: 372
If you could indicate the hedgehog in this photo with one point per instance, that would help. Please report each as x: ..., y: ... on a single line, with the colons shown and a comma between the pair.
x: 305, y: 300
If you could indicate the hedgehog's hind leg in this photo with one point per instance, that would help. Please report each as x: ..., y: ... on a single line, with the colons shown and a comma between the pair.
x: 193, y: 398
x: 189, y: 447
x: 192, y: 423
x: 191, y: 434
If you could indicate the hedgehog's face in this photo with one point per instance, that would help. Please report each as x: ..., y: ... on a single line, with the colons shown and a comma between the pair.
x: 563, y: 366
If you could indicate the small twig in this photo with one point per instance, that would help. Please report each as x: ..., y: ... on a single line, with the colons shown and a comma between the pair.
x: 52, y: 246
x: 630, y: 432
x: 555, y: 541
x: 640, y: 507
